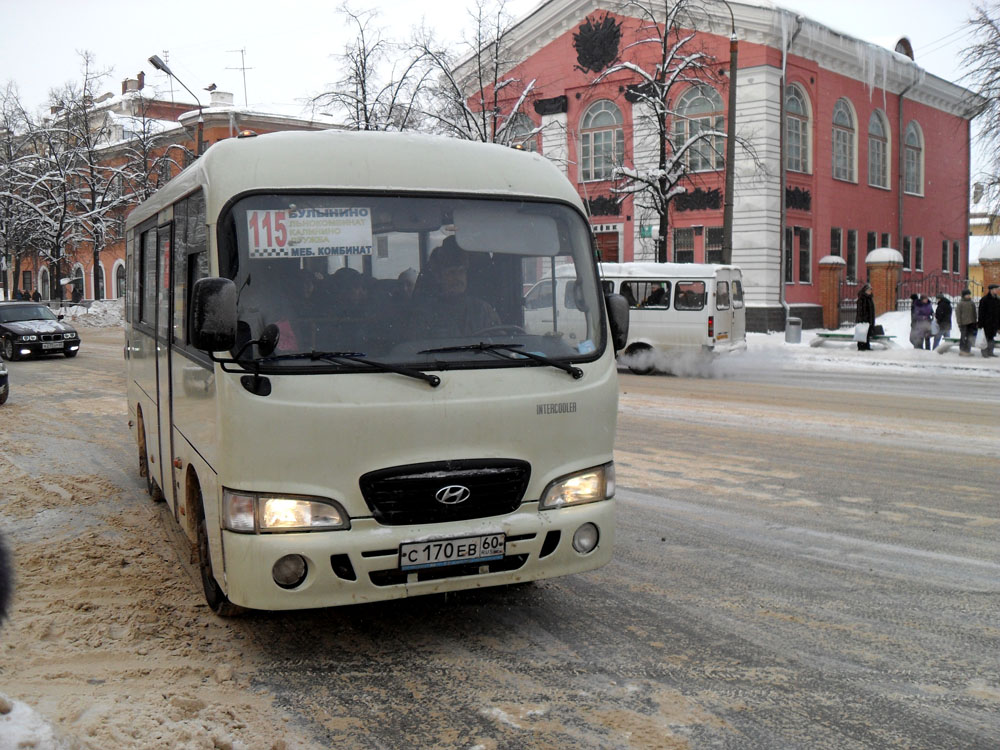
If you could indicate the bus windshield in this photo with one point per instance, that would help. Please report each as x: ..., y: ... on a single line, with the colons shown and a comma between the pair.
x: 410, y: 281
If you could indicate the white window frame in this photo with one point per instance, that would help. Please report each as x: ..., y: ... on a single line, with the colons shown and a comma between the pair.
x: 798, y: 118
x: 845, y: 142
x: 601, y: 141
x: 879, y: 149
x: 700, y: 109
x: 913, y: 160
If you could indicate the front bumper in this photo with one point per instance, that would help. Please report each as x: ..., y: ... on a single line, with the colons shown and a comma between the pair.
x: 361, y: 564
x: 37, y: 348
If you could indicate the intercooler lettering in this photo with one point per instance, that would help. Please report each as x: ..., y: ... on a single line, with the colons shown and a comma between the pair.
x: 564, y: 407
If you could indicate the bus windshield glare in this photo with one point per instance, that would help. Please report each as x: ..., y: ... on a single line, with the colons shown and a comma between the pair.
x: 411, y: 281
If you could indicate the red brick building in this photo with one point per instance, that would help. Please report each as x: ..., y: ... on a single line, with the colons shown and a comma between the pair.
x: 176, y: 125
x: 856, y: 148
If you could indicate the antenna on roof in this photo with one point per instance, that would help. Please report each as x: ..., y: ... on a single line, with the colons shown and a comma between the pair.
x: 170, y: 78
x: 243, y: 67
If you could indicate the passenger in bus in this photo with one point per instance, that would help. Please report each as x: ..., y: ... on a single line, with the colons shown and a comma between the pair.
x: 656, y: 298
x: 348, y: 293
x: 442, y: 305
x: 628, y: 294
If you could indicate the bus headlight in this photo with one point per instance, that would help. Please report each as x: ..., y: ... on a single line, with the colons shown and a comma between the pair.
x: 588, y: 486
x: 250, y: 512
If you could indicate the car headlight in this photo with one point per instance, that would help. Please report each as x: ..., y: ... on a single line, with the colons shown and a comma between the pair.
x: 588, y: 486
x: 32, y: 337
x: 251, y: 512
x: 69, y: 335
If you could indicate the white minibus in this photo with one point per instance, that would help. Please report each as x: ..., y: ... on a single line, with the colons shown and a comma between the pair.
x: 678, y: 308
x: 333, y: 381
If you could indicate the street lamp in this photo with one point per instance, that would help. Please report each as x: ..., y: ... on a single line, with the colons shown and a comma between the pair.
x: 157, y: 63
x: 727, y: 208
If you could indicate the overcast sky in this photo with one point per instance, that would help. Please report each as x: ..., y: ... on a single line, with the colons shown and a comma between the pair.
x: 291, y: 46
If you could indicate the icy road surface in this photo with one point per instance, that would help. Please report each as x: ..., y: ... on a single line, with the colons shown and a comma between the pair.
x: 803, y: 560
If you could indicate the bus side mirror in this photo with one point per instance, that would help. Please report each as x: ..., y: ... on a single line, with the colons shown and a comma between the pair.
x: 213, y: 315
x: 618, y: 318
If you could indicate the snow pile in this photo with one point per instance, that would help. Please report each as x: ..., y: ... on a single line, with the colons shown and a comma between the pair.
x: 21, y: 727
x: 769, y: 352
x: 103, y: 313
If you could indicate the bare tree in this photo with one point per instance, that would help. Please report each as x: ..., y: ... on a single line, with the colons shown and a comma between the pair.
x: 672, y: 144
x: 474, y: 96
x: 383, y: 81
x: 982, y: 61
x: 15, y: 212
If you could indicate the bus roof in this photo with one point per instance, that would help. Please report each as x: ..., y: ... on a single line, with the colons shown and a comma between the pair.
x: 661, y: 270
x: 337, y: 159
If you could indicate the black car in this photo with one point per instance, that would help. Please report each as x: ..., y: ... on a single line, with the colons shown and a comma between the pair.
x: 4, y: 383
x: 30, y: 328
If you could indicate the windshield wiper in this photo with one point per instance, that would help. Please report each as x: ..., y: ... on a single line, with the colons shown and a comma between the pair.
x: 482, y: 346
x: 341, y: 357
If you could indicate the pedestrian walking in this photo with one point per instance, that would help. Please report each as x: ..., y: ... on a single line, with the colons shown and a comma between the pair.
x: 965, y: 317
x: 989, y: 318
x: 920, y: 327
x: 942, y: 319
x: 865, y: 313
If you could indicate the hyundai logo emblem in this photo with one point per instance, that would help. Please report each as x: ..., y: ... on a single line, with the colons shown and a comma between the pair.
x: 453, y: 494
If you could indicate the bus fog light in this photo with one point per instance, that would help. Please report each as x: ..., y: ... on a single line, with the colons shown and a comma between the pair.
x: 586, y: 538
x: 290, y: 571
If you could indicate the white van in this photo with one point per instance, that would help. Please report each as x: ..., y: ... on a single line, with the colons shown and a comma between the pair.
x: 678, y: 307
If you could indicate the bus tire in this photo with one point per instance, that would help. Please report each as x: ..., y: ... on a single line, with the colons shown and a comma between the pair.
x: 217, y: 601
x: 637, y: 351
x: 151, y: 487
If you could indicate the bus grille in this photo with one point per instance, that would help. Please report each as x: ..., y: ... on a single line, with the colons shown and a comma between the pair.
x: 406, y: 495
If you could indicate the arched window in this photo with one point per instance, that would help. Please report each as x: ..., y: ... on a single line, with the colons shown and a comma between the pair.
x: 44, y: 287
x: 602, y: 141
x: 99, y: 286
x: 699, y: 111
x: 878, y: 150
x: 522, y: 132
x: 913, y: 162
x: 119, y: 280
x: 844, y: 140
x: 78, y: 288
x: 796, y: 130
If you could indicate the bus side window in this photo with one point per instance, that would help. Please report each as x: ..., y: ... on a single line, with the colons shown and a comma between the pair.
x: 689, y: 295
x: 658, y: 295
x: 608, y: 286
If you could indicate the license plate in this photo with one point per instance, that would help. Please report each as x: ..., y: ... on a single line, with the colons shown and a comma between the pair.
x: 52, y: 345
x: 438, y: 552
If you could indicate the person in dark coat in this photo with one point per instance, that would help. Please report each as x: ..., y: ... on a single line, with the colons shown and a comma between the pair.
x: 965, y: 316
x: 942, y: 316
x: 865, y: 313
x: 989, y: 318
x: 920, y: 328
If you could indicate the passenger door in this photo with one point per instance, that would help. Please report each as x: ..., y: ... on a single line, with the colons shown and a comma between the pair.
x: 164, y: 242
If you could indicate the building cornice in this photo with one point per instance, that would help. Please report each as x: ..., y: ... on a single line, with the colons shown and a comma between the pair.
x: 880, y: 69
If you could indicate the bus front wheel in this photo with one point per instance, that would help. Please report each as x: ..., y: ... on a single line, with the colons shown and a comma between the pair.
x: 144, y: 469
x: 218, y: 602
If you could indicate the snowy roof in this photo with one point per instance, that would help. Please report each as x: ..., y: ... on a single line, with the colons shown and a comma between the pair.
x: 884, y: 255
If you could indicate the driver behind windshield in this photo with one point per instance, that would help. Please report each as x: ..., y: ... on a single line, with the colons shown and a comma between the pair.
x: 442, y: 304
